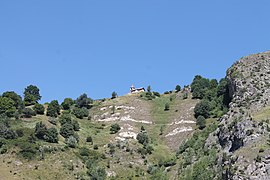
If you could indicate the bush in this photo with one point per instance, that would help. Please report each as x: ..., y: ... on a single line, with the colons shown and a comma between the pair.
x: 67, y: 103
x: 200, y: 122
x: 71, y: 142
x: 177, y: 88
x: 115, y: 128
x: 143, y: 138
x: 84, y: 151
x: 76, y: 125
x: 7, y: 106
x: 39, y: 109
x: 114, y: 95
x: 53, y: 109
x: 202, y: 109
x: 65, y: 118
x: 28, y: 113
x: 67, y: 130
x: 52, y: 135
x: 156, y: 94
x: 84, y: 101
x: 185, y: 96
x: 167, y: 107
x: 80, y: 112
x: 89, y: 139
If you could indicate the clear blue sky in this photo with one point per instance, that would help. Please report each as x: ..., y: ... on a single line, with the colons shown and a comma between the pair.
x: 70, y: 47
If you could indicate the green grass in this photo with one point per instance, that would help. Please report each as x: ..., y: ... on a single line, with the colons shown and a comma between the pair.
x: 263, y: 114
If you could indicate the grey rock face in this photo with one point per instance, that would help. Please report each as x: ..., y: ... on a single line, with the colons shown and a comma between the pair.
x: 238, y: 133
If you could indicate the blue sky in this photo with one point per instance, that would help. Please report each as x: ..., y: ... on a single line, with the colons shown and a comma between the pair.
x: 69, y: 47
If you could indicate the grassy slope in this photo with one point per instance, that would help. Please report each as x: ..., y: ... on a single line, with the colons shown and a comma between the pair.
x: 124, y: 163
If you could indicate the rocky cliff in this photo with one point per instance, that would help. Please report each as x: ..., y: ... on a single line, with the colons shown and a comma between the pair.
x: 242, y: 137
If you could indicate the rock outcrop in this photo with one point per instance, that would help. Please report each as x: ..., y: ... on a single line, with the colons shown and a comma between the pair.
x: 239, y: 137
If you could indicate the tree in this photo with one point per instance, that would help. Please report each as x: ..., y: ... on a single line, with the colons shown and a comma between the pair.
x: 115, y: 128
x: 80, y: 112
x: 200, y: 122
x: 28, y: 113
x: 52, y: 135
x: 40, y: 130
x: 67, y: 103
x: 31, y: 95
x: 167, y: 107
x: 142, y: 138
x: 53, y: 109
x: 177, y: 88
x: 114, y: 95
x: 76, y: 125
x: 7, y: 106
x: 71, y: 141
x: 149, y: 89
x: 84, y: 101
x: 18, y: 103
x: 39, y: 108
x: 67, y: 130
x: 203, y: 108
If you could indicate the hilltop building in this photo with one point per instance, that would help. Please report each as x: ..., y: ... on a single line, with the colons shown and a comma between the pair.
x: 136, y: 90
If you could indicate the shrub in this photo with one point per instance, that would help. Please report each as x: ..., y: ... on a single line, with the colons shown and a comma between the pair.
x: 89, y: 139
x: 202, y: 108
x: 76, y: 125
x: 84, y: 101
x: 28, y: 113
x: 52, y: 135
x: 143, y: 138
x: 65, y: 118
x: 53, y: 109
x: 67, y: 103
x: 52, y: 120
x: 185, y: 95
x: 84, y: 151
x: 115, y: 128
x: 95, y: 147
x: 114, y: 95
x: 39, y: 108
x: 67, y: 130
x: 71, y: 142
x: 167, y: 107
x: 177, y: 88
x: 200, y: 122
x: 156, y: 94
x: 80, y: 112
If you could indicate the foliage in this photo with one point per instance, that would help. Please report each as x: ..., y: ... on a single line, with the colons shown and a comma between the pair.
x: 31, y: 95
x: 185, y: 95
x: 28, y: 113
x: 49, y: 135
x: 18, y: 103
x: 203, y: 108
x: 84, y: 101
x: 143, y: 138
x: 67, y: 103
x: 167, y: 107
x: 114, y: 128
x: 7, y: 106
x: 177, y: 88
x: 71, y: 141
x: 53, y: 109
x: 200, y: 122
x: 97, y: 173
x: 39, y: 108
x: 89, y: 139
x: 80, y: 112
x: 114, y: 95
x: 67, y: 130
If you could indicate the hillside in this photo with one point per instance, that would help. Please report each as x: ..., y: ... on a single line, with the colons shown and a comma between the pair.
x: 208, y: 130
